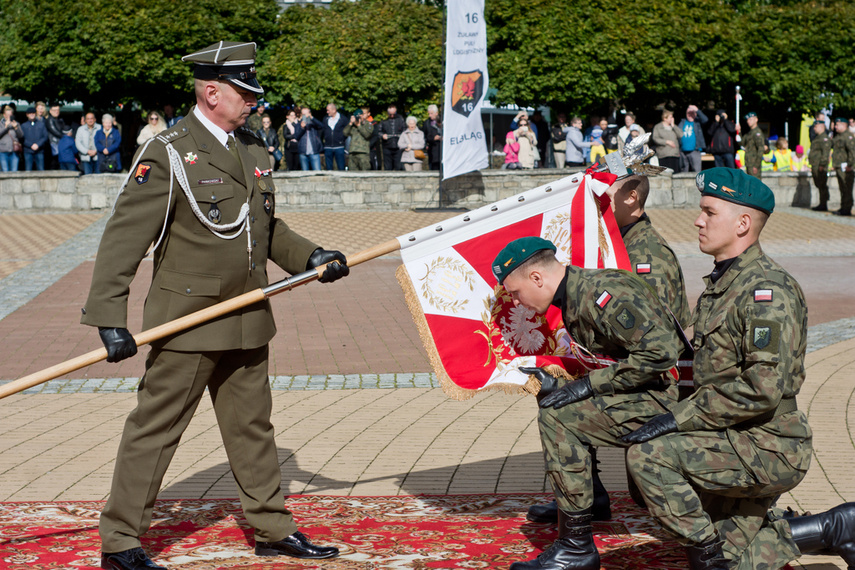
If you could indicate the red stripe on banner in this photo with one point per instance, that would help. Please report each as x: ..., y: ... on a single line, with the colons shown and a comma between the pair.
x: 621, y: 256
x: 481, y: 250
x: 465, y: 355
x: 577, y: 227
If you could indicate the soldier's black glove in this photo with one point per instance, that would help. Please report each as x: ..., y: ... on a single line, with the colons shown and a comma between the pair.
x: 335, y: 270
x: 658, y: 426
x: 575, y: 391
x: 548, y: 382
x: 120, y: 344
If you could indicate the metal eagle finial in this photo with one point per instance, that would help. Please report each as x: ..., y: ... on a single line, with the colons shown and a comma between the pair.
x: 635, y: 152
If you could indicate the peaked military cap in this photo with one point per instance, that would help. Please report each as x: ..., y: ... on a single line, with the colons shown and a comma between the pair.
x: 227, y: 61
x: 736, y: 186
x: 516, y: 253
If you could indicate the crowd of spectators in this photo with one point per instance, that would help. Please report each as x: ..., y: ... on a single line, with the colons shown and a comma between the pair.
x: 338, y: 141
x: 357, y: 142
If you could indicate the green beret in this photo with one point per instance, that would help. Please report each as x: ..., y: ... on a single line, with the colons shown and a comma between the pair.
x: 227, y: 61
x: 815, y: 123
x: 841, y: 120
x: 750, y: 114
x: 736, y: 186
x: 516, y: 253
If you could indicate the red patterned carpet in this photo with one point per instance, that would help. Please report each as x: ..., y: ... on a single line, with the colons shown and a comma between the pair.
x: 416, y: 532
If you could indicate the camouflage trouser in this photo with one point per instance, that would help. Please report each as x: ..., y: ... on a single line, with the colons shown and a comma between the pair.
x: 566, y: 434
x: 358, y: 162
x: 697, y: 483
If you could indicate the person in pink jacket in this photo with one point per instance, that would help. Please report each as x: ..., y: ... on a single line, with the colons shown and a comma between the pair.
x: 512, y: 151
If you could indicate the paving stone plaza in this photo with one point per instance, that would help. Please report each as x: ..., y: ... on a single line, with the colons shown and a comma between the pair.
x: 357, y: 408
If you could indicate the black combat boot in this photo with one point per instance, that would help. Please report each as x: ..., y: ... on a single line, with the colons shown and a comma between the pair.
x: 707, y: 555
x: 574, y: 549
x: 830, y: 532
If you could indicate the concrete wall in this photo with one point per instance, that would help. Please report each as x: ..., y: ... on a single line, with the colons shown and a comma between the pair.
x: 62, y: 191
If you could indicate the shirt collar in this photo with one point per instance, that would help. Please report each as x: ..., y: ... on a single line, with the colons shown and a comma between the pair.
x: 219, y: 134
x: 560, y: 298
x: 625, y: 230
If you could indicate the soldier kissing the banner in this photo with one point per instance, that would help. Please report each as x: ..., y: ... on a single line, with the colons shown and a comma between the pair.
x: 204, y: 187
x: 613, y: 313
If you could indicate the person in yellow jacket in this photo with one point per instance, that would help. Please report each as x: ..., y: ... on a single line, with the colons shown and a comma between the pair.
x: 783, y: 156
x: 768, y: 164
x: 740, y: 159
x: 800, y: 160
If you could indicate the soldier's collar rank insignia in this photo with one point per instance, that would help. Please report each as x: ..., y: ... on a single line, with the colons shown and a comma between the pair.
x: 141, y: 173
x: 604, y: 299
x: 642, y: 268
x: 762, y: 295
x: 191, y: 157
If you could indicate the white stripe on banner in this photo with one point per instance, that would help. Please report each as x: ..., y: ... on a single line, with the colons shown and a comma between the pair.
x: 464, y: 144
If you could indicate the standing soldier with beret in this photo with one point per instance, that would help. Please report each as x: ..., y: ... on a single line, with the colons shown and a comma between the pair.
x: 712, y: 465
x: 820, y: 153
x: 609, y: 312
x: 843, y: 146
x: 754, y: 144
x: 209, y: 178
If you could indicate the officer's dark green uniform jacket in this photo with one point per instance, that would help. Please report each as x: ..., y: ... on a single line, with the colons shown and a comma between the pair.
x: 193, y: 268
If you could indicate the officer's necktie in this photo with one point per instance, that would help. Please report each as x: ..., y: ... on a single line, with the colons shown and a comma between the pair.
x: 233, y: 149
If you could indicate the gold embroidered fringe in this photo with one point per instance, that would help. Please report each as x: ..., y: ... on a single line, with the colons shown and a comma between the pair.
x: 452, y: 390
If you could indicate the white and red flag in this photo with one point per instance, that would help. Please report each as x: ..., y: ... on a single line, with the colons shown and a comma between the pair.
x: 474, y: 336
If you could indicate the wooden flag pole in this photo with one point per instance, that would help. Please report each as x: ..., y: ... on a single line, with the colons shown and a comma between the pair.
x: 193, y: 319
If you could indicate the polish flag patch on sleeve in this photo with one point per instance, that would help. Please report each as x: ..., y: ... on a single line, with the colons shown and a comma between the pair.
x: 604, y: 299
x: 642, y: 268
x: 762, y: 295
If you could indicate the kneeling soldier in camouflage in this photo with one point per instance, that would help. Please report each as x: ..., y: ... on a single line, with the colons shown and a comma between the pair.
x: 710, y: 468
x: 610, y: 312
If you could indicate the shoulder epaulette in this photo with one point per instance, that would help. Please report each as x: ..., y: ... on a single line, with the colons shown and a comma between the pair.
x: 175, y: 132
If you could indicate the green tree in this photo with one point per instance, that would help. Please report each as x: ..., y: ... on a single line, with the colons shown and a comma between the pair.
x: 371, y: 52
x: 104, y: 52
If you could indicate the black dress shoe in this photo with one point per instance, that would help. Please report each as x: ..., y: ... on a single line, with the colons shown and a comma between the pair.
x: 820, y: 208
x: 297, y: 545
x: 133, y: 559
x: 842, y: 212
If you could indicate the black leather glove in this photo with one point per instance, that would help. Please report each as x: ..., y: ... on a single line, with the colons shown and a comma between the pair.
x: 660, y: 425
x: 548, y: 382
x: 120, y: 344
x: 335, y: 270
x: 574, y: 391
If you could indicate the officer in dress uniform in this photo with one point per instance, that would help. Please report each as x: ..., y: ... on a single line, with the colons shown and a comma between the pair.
x: 843, y: 145
x: 711, y: 466
x: 754, y: 144
x: 653, y: 260
x: 210, y: 178
x: 820, y: 152
x: 606, y: 311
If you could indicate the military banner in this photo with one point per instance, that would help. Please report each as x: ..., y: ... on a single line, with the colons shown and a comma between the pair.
x: 474, y: 336
x: 464, y: 145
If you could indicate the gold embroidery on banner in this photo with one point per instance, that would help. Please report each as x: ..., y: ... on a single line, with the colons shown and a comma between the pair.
x: 558, y: 232
x: 442, y: 281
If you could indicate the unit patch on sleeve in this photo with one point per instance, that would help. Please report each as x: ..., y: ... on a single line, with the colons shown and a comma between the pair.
x: 642, y: 268
x: 604, y: 299
x: 141, y: 173
x: 762, y: 295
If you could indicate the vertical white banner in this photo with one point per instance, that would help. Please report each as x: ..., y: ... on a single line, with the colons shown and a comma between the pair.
x: 464, y: 144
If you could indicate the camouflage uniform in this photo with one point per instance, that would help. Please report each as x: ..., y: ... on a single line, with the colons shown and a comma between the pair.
x: 654, y: 261
x: 820, y: 150
x: 843, y: 145
x: 741, y: 441
x: 612, y: 313
x: 754, y: 144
